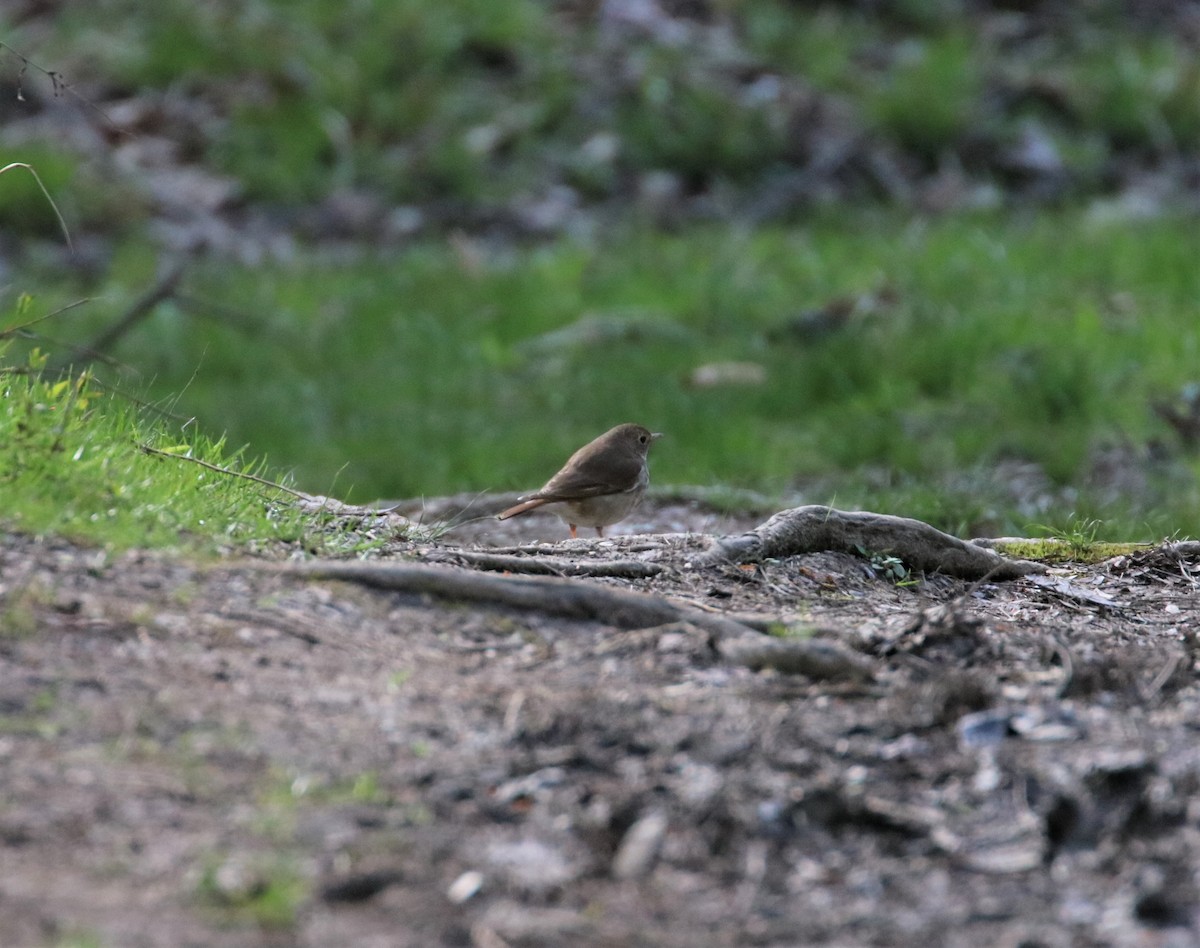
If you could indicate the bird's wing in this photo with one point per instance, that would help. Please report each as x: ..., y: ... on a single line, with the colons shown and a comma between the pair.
x: 583, y: 480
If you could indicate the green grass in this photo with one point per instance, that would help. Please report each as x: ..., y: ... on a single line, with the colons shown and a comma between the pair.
x: 383, y: 93
x: 818, y: 43
x: 485, y: 102
x: 931, y: 94
x: 685, y: 117
x: 73, y: 463
x: 1074, y: 544
x: 1144, y: 91
x: 996, y: 341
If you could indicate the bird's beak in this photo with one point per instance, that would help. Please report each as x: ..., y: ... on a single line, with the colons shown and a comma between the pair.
x: 654, y: 436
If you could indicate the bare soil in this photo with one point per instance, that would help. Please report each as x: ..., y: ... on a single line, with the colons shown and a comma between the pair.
x: 224, y: 754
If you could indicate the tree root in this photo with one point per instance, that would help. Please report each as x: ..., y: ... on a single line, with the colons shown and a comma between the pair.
x: 817, y: 528
x: 550, y: 565
x: 622, y: 608
x: 553, y: 595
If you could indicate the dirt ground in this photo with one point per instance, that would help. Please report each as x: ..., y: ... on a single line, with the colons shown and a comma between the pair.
x: 225, y: 755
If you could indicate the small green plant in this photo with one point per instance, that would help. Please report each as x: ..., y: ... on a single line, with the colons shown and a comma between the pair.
x: 366, y: 789
x: 287, y: 791
x: 889, y: 567
x: 265, y: 890
x: 45, y: 701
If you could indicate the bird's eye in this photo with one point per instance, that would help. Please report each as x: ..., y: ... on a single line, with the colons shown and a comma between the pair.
x: 642, y: 438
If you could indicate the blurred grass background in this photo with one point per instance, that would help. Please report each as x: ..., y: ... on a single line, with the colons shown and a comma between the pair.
x: 933, y: 259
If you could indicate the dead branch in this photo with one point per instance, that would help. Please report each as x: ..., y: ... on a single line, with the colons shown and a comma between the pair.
x: 59, y: 84
x: 549, y: 565
x: 816, y: 528
x: 163, y: 289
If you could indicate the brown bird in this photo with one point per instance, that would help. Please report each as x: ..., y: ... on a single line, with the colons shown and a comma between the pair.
x: 600, y: 484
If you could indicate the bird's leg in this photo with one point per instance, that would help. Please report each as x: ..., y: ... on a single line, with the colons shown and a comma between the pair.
x: 599, y: 531
x: 574, y: 533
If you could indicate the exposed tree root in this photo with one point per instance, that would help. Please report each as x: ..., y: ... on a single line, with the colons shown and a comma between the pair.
x: 549, y: 565
x: 622, y: 608
x: 817, y: 528
x: 553, y: 595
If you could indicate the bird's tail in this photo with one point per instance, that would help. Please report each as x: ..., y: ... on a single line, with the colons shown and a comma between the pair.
x: 518, y: 509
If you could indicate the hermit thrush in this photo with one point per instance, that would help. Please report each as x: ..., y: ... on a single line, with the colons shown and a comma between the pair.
x: 600, y: 484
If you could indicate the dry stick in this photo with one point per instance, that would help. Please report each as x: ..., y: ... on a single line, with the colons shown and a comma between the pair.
x: 60, y: 85
x: 576, y: 599
x: 550, y: 565
x: 222, y: 470
x: 816, y: 528
x: 308, y: 502
x: 24, y: 327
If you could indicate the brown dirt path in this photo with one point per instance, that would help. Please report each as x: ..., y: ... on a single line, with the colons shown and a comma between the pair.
x: 224, y: 755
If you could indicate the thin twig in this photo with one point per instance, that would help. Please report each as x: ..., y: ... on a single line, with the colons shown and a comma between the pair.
x: 140, y: 402
x: 60, y: 85
x: 221, y: 470
x: 22, y: 327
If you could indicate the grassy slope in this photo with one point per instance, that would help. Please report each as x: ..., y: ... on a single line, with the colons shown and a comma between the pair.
x: 72, y: 464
